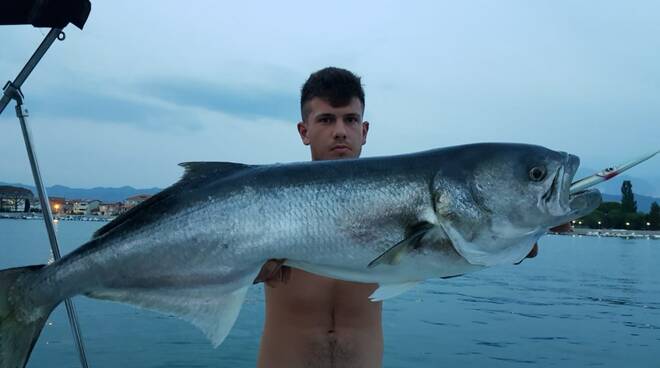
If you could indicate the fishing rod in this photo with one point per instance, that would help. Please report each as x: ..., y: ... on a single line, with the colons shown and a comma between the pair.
x: 55, y: 14
x: 607, y: 174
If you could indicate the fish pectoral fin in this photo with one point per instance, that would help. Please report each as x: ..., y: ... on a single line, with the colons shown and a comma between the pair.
x: 393, y: 255
x: 386, y: 291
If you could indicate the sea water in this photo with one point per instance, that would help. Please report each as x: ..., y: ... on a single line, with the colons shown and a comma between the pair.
x: 583, y: 302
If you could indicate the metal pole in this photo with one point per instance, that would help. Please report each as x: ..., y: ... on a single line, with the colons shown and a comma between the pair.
x: 48, y: 219
x: 29, y: 66
x: 12, y: 92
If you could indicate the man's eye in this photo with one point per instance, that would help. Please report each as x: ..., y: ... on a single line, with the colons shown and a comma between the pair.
x: 352, y: 120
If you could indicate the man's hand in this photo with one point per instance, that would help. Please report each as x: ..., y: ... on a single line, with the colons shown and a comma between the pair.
x: 565, y: 228
x: 273, y: 271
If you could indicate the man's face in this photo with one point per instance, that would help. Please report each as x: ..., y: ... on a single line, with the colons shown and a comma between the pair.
x: 333, y: 132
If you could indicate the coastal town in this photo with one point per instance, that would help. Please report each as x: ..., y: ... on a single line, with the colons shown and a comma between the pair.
x: 21, y: 203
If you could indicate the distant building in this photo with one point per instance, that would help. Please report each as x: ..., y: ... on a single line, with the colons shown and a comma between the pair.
x: 76, y: 206
x: 15, y: 199
x: 133, y: 201
x: 92, y: 207
x: 110, y: 209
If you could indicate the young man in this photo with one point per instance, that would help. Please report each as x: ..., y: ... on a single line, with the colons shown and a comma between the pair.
x: 313, y: 321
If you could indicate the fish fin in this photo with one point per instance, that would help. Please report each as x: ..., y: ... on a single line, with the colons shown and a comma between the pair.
x: 213, y: 308
x: 18, y: 332
x: 208, y: 309
x: 393, y: 255
x: 218, y: 319
x: 201, y: 169
x: 386, y: 291
x: 161, y: 201
x: 131, y: 214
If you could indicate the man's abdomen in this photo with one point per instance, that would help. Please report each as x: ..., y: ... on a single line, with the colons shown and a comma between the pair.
x: 312, y: 321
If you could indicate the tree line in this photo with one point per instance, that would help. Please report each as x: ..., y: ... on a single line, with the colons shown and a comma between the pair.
x: 622, y: 215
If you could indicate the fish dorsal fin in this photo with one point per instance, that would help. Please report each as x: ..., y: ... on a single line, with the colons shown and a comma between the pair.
x: 201, y: 169
x: 193, y: 170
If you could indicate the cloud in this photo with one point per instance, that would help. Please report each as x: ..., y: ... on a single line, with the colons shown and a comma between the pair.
x: 103, y: 106
x: 241, y: 102
x: 223, y: 83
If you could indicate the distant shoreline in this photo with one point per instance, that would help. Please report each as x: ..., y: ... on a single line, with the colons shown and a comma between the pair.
x: 38, y: 216
x: 615, y: 233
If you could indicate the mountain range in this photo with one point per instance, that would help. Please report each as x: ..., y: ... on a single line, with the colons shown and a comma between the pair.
x: 101, y: 193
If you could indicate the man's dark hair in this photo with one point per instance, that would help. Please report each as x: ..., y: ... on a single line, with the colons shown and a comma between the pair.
x: 335, y: 85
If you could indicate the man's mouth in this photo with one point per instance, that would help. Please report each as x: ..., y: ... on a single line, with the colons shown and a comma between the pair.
x: 340, y: 148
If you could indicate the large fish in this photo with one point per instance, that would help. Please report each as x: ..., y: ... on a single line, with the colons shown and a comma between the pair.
x: 193, y: 249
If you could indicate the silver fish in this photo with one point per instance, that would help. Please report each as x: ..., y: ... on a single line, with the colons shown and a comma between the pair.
x: 193, y: 249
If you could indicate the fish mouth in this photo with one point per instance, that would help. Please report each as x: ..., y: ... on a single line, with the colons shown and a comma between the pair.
x: 556, y: 199
x: 583, y: 203
x: 573, y: 205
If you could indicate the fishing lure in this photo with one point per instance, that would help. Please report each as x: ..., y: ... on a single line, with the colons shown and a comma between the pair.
x: 607, y: 174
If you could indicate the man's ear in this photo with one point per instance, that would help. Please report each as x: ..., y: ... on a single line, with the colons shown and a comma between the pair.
x: 302, y: 130
x: 365, y: 130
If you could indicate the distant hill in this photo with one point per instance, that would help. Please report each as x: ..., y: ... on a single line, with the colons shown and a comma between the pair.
x: 649, y: 186
x: 101, y: 193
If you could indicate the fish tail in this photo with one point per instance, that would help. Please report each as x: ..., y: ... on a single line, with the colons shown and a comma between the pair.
x: 19, y: 326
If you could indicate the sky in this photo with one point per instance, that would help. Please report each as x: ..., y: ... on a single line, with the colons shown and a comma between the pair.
x: 149, y: 84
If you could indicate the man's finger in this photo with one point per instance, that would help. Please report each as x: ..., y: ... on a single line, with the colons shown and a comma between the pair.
x: 268, y: 271
x: 532, y: 253
x: 565, y: 228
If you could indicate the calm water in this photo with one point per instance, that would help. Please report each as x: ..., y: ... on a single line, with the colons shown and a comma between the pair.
x: 583, y: 302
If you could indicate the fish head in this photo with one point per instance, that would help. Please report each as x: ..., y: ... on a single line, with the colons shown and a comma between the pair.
x: 498, y: 199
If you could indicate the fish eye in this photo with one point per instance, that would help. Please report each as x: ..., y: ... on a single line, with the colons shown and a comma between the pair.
x: 537, y: 173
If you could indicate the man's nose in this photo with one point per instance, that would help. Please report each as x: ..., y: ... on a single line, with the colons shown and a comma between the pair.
x: 340, y: 130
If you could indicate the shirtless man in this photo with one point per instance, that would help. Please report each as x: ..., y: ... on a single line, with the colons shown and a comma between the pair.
x: 313, y: 321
